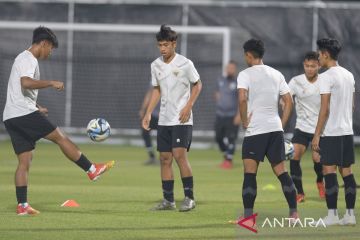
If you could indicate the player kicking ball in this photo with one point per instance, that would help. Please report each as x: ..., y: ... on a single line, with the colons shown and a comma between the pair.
x: 26, y: 121
x: 177, y: 83
x: 333, y: 136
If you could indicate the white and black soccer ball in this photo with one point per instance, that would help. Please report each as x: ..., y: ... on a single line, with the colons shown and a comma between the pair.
x: 289, y: 150
x: 98, y: 129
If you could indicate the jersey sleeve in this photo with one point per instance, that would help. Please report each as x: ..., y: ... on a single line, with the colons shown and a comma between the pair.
x: 292, y: 87
x: 154, y: 81
x: 26, y: 68
x: 325, y: 83
x: 193, y: 75
x: 284, y: 88
x: 243, y: 80
x: 353, y: 80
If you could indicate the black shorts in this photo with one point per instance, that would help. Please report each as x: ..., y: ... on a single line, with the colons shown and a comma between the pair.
x: 24, y: 131
x: 302, y: 138
x: 270, y: 145
x: 337, y: 150
x: 169, y: 137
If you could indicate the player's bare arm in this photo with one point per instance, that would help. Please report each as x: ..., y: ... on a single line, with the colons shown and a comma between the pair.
x: 323, y: 116
x: 155, y: 97
x: 186, y: 111
x: 29, y: 83
x: 42, y: 109
x: 243, y: 99
x: 288, y: 105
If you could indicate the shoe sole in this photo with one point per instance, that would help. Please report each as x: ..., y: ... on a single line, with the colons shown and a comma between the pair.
x: 27, y: 214
x: 186, y: 210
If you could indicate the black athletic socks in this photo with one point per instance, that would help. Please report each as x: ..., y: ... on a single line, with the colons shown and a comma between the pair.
x: 332, y: 189
x: 296, y: 175
x: 318, y: 171
x: 289, y: 191
x: 21, y: 194
x: 84, y: 163
x: 188, y: 185
x: 350, y: 191
x: 249, y: 192
x: 168, y: 190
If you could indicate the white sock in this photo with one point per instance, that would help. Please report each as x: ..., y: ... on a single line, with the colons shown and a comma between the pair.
x: 350, y: 212
x: 24, y: 204
x: 92, y: 169
x: 332, y: 212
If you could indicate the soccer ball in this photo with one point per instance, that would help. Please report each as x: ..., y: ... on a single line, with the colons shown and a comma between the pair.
x: 98, y: 129
x: 289, y: 150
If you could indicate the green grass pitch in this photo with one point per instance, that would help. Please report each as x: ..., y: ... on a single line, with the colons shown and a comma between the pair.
x: 117, y: 206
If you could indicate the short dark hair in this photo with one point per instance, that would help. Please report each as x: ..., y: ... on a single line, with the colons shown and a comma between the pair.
x: 166, y: 34
x: 332, y: 46
x: 255, y: 47
x: 311, y: 56
x: 43, y: 33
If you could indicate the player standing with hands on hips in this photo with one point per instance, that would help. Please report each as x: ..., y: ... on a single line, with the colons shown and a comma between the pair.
x: 177, y: 85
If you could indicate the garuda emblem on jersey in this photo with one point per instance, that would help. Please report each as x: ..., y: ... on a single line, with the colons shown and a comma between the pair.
x: 176, y: 72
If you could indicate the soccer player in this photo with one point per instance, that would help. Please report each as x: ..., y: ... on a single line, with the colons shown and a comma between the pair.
x: 25, y: 120
x: 305, y: 89
x: 259, y: 89
x: 177, y: 83
x: 334, y: 131
x: 227, y: 114
x: 153, y: 125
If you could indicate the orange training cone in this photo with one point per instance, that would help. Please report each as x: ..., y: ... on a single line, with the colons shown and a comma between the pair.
x: 70, y: 203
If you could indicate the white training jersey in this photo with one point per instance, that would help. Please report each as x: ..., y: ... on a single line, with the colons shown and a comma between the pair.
x: 19, y: 101
x: 307, y: 102
x: 175, y: 80
x: 264, y: 85
x: 340, y: 83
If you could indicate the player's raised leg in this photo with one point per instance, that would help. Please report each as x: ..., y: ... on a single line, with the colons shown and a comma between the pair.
x: 72, y: 152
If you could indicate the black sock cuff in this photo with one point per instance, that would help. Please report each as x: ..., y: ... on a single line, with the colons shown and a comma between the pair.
x: 249, y: 185
x: 350, y: 179
x: 187, y: 178
x: 250, y: 180
x: 283, y: 177
x: 295, y: 162
x: 331, y: 183
x: 21, y: 194
x: 83, y: 163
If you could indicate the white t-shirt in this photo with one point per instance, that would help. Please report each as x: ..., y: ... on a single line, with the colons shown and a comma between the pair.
x: 175, y: 80
x: 340, y: 83
x: 307, y: 102
x: 264, y: 85
x: 19, y: 101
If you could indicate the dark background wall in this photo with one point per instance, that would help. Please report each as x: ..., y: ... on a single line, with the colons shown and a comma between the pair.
x: 111, y: 71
